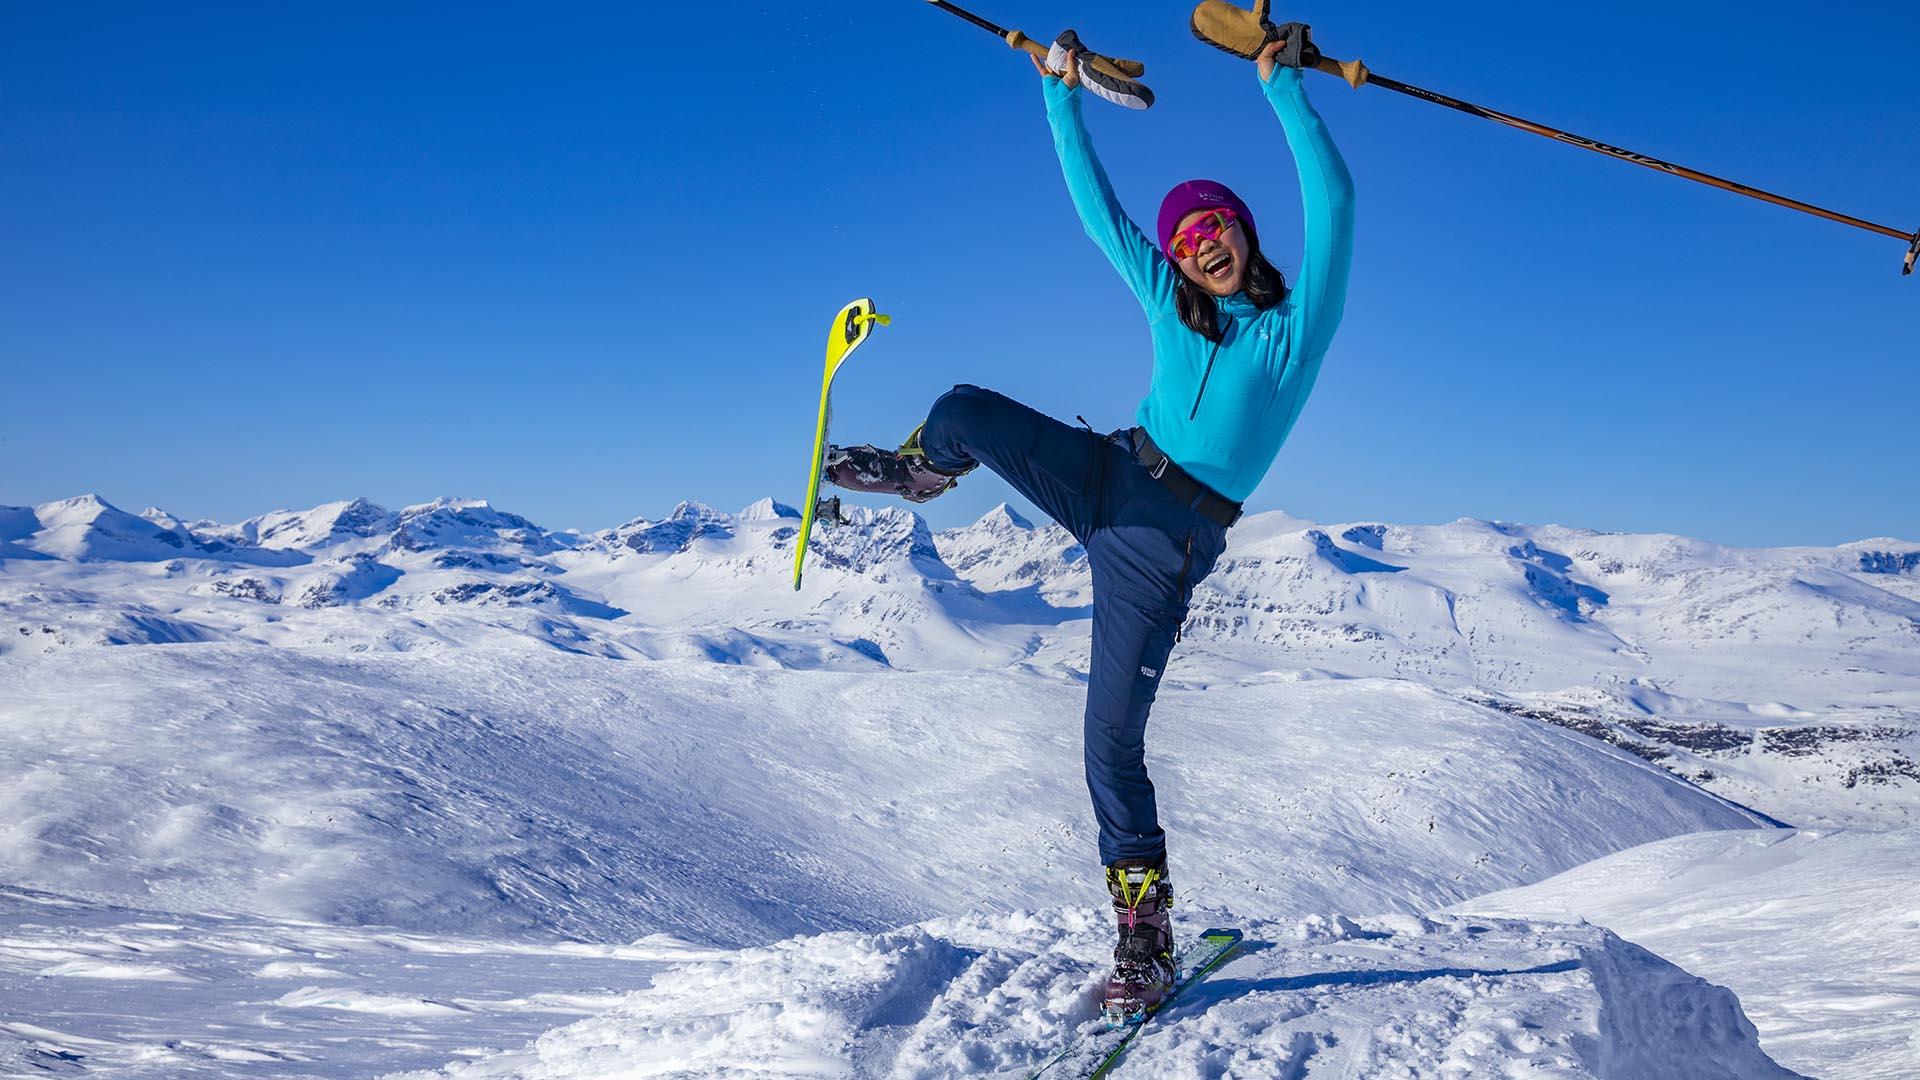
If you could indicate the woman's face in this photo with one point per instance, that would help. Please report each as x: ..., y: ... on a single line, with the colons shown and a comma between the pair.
x: 1218, y: 264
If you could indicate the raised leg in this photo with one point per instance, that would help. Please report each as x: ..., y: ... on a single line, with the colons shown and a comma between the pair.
x: 1059, y: 468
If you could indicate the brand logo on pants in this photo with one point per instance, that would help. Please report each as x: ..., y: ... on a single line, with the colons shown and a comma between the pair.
x: 1151, y: 673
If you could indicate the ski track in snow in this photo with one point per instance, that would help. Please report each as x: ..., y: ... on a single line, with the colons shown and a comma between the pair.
x: 370, y: 791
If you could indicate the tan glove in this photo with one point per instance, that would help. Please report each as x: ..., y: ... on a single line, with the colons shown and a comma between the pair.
x: 1233, y: 29
x: 1245, y: 33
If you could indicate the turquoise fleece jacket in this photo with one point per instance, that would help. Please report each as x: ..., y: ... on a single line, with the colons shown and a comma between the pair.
x: 1269, y: 359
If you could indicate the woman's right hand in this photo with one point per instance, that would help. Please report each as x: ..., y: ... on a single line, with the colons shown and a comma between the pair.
x: 1281, y: 51
x: 1071, y: 76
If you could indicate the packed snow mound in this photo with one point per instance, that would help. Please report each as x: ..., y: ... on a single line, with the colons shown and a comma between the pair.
x: 527, y: 791
x: 1328, y: 997
x: 1801, y: 924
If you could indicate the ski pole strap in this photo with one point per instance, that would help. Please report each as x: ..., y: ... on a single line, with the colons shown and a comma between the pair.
x: 1199, y: 498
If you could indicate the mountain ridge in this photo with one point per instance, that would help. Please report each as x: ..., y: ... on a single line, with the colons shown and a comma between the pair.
x: 1762, y: 672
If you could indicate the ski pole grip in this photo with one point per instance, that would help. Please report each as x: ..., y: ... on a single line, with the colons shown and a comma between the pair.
x: 1018, y: 40
x: 1113, y: 65
x: 1353, y: 71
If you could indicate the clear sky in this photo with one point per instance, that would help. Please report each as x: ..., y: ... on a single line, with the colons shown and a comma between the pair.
x: 580, y: 259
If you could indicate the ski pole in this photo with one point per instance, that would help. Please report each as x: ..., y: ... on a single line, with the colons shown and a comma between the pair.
x: 1121, y: 84
x: 1014, y: 38
x: 1357, y: 75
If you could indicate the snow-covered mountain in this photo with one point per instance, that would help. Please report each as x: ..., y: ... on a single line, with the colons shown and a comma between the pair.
x: 840, y: 819
x: 1777, y: 677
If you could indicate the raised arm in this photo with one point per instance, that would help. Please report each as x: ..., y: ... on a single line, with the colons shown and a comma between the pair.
x: 1326, y: 194
x: 1140, y: 265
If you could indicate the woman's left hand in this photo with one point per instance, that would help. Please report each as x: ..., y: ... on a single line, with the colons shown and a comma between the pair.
x: 1071, y: 76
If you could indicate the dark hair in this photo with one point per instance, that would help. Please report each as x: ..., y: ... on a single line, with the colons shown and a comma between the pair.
x: 1265, y: 286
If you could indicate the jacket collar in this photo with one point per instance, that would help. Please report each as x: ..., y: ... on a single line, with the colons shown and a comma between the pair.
x: 1236, y: 305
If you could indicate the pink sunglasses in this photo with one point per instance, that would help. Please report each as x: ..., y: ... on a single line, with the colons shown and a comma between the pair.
x: 1186, y: 242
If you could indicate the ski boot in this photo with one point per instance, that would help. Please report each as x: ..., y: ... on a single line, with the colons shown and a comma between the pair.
x: 1143, y: 960
x: 904, y: 472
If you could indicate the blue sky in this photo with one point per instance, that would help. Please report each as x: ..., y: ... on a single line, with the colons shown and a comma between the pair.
x: 263, y: 256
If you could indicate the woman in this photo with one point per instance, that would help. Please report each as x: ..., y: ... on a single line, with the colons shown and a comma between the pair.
x: 1236, y: 352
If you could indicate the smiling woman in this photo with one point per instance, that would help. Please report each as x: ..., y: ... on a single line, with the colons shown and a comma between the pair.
x: 1218, y: 253
x: 1152, y: 503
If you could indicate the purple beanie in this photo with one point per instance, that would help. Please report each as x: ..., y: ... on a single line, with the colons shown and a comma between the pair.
x: 1194, y: 195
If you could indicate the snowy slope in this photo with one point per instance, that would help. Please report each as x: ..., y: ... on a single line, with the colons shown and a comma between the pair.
x: 98, y: 990
x: 1818, y: 932
x: 1407, y: 996
x: 529, y: 790
x: 452, y: 732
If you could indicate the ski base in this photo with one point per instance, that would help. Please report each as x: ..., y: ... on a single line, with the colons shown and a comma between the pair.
x: 1100, y: 1044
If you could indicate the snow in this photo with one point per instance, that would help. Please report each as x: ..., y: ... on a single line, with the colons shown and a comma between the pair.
x: 997, y: 996
x: 330, y: 1000
x: 1817, y: 931
x: 344, y: 790
x: 507, y: 792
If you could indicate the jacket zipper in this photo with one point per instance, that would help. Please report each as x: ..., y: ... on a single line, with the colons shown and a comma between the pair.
x: 1208, y: 374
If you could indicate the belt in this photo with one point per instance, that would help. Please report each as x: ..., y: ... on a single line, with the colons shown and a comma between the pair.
x: 1200, y: 498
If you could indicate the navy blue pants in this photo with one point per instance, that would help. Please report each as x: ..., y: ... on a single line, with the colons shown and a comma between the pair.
x: 1146, y: 549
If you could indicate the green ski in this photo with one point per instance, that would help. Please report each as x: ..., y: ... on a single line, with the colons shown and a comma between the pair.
x: 1097, y: 1049
x: 850, y: 328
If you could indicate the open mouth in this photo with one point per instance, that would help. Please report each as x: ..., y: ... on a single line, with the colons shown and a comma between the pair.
x: 1218, y: 267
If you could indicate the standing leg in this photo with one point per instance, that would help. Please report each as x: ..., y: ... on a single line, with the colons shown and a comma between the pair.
x: 1130, y: 647
x: 1145, y: 561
